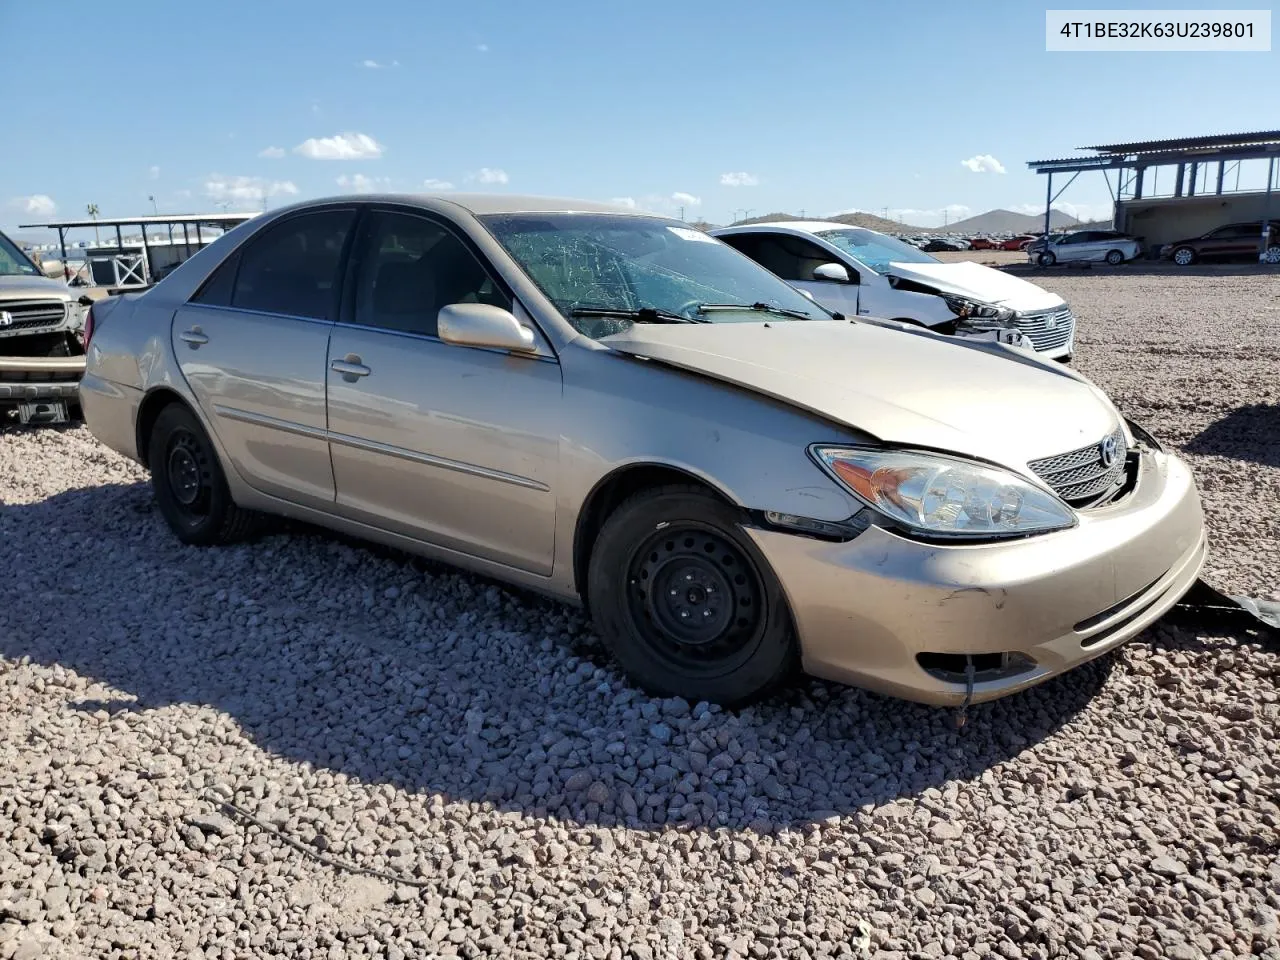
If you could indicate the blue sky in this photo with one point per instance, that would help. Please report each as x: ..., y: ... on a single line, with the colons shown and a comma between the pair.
x: 716, y: 106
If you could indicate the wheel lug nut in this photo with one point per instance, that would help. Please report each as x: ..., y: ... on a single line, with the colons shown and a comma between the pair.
x: 684, y: 614
x: 675, y: 592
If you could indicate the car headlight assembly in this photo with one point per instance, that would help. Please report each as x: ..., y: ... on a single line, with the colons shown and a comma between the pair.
x: 976, y: 310
x: 944, y: 496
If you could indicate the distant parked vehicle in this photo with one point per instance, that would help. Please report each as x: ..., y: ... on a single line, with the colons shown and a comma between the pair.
x: 982, y: 243
x: 1106, y: 246
x: 942, y: 244
x: 1016, y: 243
x: 1229, y: 242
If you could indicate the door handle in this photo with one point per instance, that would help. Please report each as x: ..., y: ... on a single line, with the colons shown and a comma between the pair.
x: 193, y: 337
x: 351, y: 368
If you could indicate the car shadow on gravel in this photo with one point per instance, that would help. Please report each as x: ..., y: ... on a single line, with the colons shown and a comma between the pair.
x: 401, y: 672
x: 1246, y: 433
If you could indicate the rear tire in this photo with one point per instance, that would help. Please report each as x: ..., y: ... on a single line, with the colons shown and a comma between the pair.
x: 1115, y: 258
x: 1047, y: 259
x: 1184, y: 256
x: 686, y: 603
x: 1272, y: 254
x: 189, y: 485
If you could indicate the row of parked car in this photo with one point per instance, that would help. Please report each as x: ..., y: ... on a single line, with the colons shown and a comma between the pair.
x: 743, y: 453
x: 1232, y: 241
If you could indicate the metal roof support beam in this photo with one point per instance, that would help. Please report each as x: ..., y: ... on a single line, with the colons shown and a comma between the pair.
x: 1177, y: 184
x: 1191, y: 181
x: 1137, y: 182
x: 1222, y: 172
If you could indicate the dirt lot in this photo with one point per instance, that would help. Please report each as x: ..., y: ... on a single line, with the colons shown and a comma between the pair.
x: 519, y: 799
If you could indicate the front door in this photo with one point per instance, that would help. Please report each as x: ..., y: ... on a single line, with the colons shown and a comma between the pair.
x: 252, y: 344
x: 456, y: 446
x: 794, y: 259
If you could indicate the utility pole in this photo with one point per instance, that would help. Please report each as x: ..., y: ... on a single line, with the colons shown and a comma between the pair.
x: 682, y: 211
x: 154, y: 206
x: 92, y: 210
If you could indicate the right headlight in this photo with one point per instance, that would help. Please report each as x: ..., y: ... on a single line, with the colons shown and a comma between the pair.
x: 944, y: 496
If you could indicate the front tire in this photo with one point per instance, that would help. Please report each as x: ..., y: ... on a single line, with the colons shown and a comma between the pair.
x: 1272, y: 254
x: 189, y: 485
x: 686, y: 603
x: 1115, y: 258
x: 1047, y: 259
x: 1184, y: 256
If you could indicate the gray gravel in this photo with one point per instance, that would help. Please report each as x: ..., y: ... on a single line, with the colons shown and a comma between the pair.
x: 474, y: 745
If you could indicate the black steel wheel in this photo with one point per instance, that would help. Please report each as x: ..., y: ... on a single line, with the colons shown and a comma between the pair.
x: 189, y: 485
x: 684, y: 600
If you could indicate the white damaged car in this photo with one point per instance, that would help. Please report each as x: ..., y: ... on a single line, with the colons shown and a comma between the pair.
x: 860, y: 272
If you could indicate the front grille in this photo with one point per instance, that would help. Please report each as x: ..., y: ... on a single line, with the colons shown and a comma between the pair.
x: 1047, y: 329
x: 1081, y: 475
x: 28, y: 315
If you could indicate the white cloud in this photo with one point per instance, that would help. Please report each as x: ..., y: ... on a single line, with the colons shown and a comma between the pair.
x: 375, y: 65
x: 624, y: 202
x: 1081, y: 211
x: 342, y: 146
x: 686, y: 199
x: 272, y: 153
x: 739, y: 179
x: 359, y: 183
x: 433, y: 184
x: 491, y: 175
x: 245, y: 192
x: 983, y: 163
x: 482, y: 47
x: 315, y: 108
x: 153, y: 173
x: 40, y: 204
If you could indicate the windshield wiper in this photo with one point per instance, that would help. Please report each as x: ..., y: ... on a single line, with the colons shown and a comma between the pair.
x: 643, y: 315
x: 759, y: 305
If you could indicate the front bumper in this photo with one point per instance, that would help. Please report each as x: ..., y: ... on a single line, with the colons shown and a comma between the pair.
x: 865, y: 609
x: 25, y: 379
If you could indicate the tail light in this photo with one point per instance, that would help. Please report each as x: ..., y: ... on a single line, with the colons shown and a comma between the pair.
x: 88, y: 329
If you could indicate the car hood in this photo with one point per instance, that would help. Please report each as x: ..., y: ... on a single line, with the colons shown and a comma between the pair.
x: 977, y: 282
x: 903, y: 386
x: 32, y: 288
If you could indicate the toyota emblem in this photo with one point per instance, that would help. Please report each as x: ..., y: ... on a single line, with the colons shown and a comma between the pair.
x: 1107, y: 451
x: 6, y: 318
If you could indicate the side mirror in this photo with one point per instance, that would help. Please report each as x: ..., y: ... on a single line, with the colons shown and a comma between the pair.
x: 483, y: 325
x: 834, y: 272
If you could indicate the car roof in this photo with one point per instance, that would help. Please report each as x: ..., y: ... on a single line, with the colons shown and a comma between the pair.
x: 802, y: 226
x: 484, y: 203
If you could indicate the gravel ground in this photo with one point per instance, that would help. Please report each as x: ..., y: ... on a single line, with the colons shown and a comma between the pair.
x: 472, y: 745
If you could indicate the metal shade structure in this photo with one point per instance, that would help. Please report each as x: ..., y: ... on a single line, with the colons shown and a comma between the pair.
x: 128, y: 270
x: 1191, y: 157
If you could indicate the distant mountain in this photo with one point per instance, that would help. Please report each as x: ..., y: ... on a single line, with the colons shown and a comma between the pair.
x: 867, y: 220
x: 1006, y: 221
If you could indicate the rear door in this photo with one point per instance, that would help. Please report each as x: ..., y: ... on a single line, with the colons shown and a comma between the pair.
x: 252, y: 343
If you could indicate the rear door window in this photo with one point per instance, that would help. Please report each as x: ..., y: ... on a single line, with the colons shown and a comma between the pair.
x: 293, y: 267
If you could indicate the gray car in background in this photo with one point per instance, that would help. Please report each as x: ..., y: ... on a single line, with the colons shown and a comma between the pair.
x: 1085, y: 246
x: 618, y: 410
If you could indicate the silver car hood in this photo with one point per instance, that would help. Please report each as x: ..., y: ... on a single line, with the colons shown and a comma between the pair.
x: 902, y: 386
x: 32, y: 288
